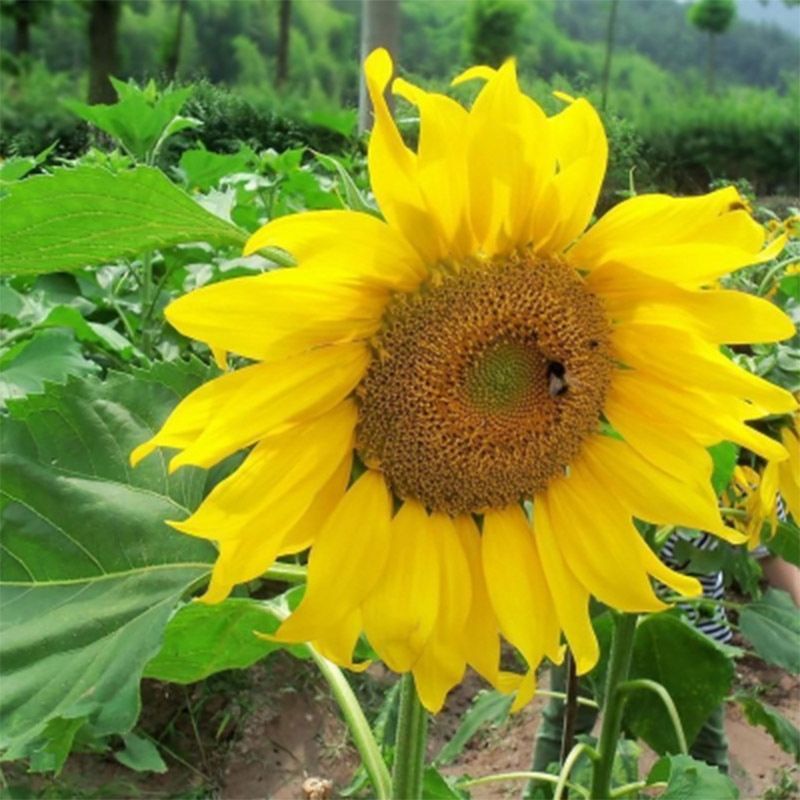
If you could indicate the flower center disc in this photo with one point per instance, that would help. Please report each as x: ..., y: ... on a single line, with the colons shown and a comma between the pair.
x: 484, y: 384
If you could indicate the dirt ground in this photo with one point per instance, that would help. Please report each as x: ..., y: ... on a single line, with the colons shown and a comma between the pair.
x: 262, y: 733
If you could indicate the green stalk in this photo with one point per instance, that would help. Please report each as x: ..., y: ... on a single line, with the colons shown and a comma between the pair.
x: 669, y: 705
x: 499, y: 777
x: 353, y: 715
x: 289, y: 573
x: 412, y: 735
x: 618, y: 668
x: 357, y: 723
x: 146, y: 293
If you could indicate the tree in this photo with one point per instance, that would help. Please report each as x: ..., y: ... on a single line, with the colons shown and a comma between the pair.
x: 715, y: 17
x: 612, y: 20
x: 103, y: 24
x: 284, y: 26
x: 24, y: 13
x: 493, y: 30
x: 380, y: 25
x: 173, y: 49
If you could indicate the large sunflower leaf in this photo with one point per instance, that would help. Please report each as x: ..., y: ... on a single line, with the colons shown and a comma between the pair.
x: 687, y: 778
x: 90, y: 573
x: 695, y: 672
x: 773, y: 627
x: 88, y: 215
x: 783, y: 731
x: 203, y: 639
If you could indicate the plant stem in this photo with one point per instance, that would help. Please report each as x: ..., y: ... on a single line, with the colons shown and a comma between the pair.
x: 570, y: 708
x: 569, y: 763
x: 546, y: 777
x: 657, y: 688
x: 289, y: 573
x: 357, y: 723
x: 354, y: 717
x: 412, y: 735
x: 146, y: 294
x: 618, y: 668
x: 582, y: 701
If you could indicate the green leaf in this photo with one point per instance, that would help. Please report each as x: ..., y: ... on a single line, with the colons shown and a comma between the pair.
x: 140, y: 754
x: 88, y: 216
x: 790, y: 286
x: 91, y: 573
x: 688, y: 779
x: 51, y: 749
x: 353, y: 198
x: 16, y: 167
x: 204, y: 169
x: 488, y: 708
x: 203, y: 639
x: 724, y: 456
x: 436, y: 786
x: 50, y: 355
x: 785, y: 734
x: 141, y: 119
x: 772, y: 626
x: 85, y: 331
x: 695, y: 672
x: 786, y: 542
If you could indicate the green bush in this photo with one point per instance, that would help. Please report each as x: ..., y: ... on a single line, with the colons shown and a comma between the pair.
x: 33, y: 116
x: 229, y: 119
x: 743, y: 134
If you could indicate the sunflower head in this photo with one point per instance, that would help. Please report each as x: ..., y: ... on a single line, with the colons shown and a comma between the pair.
x: 486, y: 382
x: 421, y: 381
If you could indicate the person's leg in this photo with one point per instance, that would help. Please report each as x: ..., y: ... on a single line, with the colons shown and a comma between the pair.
x: 711, y: 744
x: 547, y: 747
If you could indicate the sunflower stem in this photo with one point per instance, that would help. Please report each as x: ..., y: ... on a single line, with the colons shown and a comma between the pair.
x: 618, y: 668
x: 412, y: 735
x: 353, y: 714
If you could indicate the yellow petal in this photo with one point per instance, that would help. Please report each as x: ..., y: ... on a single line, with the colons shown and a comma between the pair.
x: 481, y: 643
x: 668, y: 447
x: 509, y: 162
x: 648, y: 491
x: 441, y: 162
x: 686, y: 361
x: 688, y: 241
x: 303, y: 533
x: 715, y: 315
x: 596, y: 538
x: 705, y: 417
x: 193, y: 414
x: 789, y: 472
x: 339, y: 643
x: 582, y: 153
x: 400, y: 613
x: 346, y: 561
x: 480, y: 72
x: 278, y: 480
x: 280, y: 313
x: 652, y: 219
x: 443, y: 660
x: 393, y: 167
x: 280, y: 392
x: 516, y: 584
x: 344, y: 245
x: 570, y: 596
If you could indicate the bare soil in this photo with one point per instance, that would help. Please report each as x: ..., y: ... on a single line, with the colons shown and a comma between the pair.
x: 266, y: 732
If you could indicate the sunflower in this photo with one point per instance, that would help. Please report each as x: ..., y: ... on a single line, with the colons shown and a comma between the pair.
x: 460, y: 409
x: 758, y: 493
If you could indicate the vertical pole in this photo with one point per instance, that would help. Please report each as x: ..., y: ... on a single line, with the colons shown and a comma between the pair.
x: 380, y: 27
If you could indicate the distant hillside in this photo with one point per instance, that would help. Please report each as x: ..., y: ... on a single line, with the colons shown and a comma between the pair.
x: 750, y: 53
